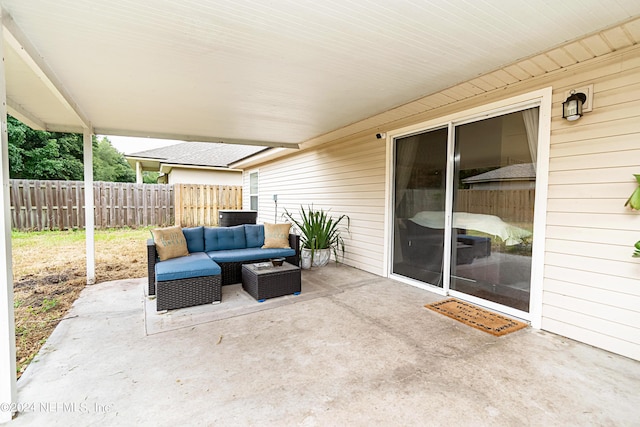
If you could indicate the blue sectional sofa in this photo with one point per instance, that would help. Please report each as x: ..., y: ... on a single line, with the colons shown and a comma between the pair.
x: 216, y: 255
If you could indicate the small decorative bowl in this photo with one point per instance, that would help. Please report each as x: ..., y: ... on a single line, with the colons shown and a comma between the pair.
x: 277, y: 262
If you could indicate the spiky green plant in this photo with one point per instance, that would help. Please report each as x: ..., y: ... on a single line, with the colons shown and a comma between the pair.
x: 634, y: 203
x: 319, y: 230
x: 634, y: 200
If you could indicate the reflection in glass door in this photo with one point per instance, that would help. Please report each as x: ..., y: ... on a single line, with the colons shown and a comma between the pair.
x: 493, y: 205
x: 420, y: 186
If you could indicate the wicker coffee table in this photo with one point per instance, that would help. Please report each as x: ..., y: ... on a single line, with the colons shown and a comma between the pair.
x: 264, y: 281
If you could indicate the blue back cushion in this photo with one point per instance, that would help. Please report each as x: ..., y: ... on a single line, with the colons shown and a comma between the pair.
x: 254, y: 234
x: 195, y: 239
x: 249, y: 254
x: 223, y: 238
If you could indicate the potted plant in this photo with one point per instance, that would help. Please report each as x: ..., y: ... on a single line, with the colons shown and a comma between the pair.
x: 634, y: 203
x: 320, y: 234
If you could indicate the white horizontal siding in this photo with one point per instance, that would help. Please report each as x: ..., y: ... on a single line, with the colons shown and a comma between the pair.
x: 594, y: 281
x: 621, y: 221
x: 623, y: 140
x: 608, y: 319
x: 591, y: 284
x: 591, y: 235
x: 345, y: 179
x: 599, y: 206
x: 589, y: 231
x: 594, y: 264
x: 606, y: 297
x: 589, y: 250
x: 594, y: 334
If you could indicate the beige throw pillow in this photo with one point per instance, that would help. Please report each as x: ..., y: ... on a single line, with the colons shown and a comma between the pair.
x: 276, y: 236
x: 170, y: 242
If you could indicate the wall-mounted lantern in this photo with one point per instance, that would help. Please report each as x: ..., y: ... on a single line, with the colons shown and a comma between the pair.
x: 572, y: 107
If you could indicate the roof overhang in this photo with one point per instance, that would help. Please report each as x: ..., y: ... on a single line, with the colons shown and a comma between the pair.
x: 168, y: 167
x: 146, y: 163
x: 280, y: 74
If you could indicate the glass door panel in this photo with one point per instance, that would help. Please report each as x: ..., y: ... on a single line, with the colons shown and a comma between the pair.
x: 420, y: 178
x: 493, y: 204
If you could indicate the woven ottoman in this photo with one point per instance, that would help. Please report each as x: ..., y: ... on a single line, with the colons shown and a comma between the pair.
x: 187, y: 281
x: 263, y: 282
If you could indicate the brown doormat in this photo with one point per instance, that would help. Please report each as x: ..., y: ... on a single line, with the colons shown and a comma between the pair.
x: 476, y: 317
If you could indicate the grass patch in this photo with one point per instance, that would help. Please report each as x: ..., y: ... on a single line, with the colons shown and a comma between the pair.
x: 49, y: 272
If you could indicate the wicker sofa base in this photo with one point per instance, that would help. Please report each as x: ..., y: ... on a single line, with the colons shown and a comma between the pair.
x: 231, y: 271
x: 173, y: 294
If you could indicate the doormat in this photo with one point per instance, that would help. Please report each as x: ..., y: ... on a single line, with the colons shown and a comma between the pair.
x: 476, y: 317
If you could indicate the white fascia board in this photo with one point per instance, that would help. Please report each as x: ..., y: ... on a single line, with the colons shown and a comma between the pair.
x: 143, y: 159
x: 166, y: 167
x: 193, y: 138
x: 262, y: 157
x: 145, y: 162
x: 65, y: 128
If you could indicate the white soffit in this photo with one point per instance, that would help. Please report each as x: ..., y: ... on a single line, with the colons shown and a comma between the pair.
x: 283, y: 72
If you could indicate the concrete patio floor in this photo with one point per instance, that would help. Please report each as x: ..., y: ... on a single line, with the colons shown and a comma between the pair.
x: 352, y: 349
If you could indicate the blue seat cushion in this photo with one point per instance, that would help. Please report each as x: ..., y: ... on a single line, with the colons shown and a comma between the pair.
x: 195, y: 238
x: 195, y: 265
x: 223, y: 238
x: 254, y: 234
x: 249, y: 254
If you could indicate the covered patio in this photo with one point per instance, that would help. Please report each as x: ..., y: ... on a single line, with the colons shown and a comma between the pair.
x: 313, y: 81
x: 352, y: 349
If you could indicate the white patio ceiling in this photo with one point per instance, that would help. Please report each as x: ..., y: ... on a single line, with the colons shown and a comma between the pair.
x: 276, y: 72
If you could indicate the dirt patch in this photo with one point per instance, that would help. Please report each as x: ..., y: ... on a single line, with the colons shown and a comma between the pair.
x: 45, y: 287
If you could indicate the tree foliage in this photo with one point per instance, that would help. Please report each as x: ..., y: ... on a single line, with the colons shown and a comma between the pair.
x: 150, y: 177
x: 109, y: 164
x: 43, y: 155
x: 46, y: 155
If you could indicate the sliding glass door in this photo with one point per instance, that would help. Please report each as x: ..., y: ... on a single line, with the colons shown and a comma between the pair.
x: 493, y: 204
x: 491, y: 190
x: 420, y: 182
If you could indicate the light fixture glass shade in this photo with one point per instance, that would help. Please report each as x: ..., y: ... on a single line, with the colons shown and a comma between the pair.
x: 572, y: 107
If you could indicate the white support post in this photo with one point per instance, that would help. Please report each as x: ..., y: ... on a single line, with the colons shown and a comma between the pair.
x: 8, y: 389
x: 139, y: 173
x: 89, y: 221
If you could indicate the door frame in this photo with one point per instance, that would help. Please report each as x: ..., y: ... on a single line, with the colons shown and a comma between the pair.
x: 541, y: 98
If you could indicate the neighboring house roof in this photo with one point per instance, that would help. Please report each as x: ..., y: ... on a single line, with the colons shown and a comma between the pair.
x: 197, y: 154
x: 519, y: 172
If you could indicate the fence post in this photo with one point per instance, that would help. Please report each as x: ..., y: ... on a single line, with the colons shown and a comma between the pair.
x: 177, y: 196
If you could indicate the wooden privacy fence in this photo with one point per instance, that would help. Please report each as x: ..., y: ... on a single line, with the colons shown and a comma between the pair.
x: 50, y: 205
x: 510, y: 205
x: 132, y: 205
x: 200, y: 204
x: 514, y: 206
